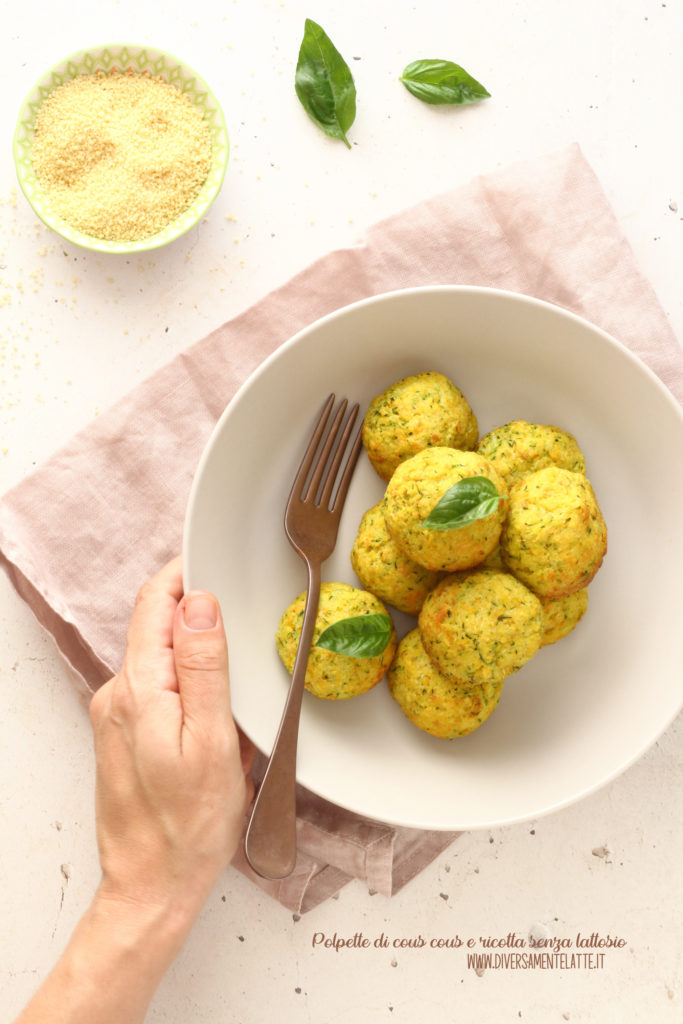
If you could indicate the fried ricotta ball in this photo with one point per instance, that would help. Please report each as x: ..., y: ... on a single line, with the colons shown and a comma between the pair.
x: 417, y: 412
x: 562, y: 614
x: 384, y: 570
x: 518, y: 448
x: 554, y: 538
x: 330, y: 675
x: 431, y: 701
x: 480, y: 626
x: 416, y: 488
x: 494, y: 560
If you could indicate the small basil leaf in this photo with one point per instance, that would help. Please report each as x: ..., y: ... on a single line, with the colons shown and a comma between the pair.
x: 472, y: 498
x: 324, y: 83
x: 360, y: 636
x: 442, y: 81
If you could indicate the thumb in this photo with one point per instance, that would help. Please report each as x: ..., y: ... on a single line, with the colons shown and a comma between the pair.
x: 201, y: 658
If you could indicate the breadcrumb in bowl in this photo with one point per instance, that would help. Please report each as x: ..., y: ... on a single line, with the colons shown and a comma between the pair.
x: 121, y: 183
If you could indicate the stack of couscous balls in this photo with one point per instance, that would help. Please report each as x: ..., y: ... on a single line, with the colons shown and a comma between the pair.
x: 490, y: 543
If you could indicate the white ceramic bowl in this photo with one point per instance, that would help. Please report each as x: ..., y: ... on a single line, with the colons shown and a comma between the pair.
x: 579, y: 712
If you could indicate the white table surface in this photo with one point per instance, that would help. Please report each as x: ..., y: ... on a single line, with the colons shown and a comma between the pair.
x: 78, y: 330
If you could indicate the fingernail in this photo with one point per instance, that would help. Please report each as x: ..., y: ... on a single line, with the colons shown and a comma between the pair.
x: 200, y: 611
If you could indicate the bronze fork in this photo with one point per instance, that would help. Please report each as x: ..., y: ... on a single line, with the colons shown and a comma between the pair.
x: 311, y: 523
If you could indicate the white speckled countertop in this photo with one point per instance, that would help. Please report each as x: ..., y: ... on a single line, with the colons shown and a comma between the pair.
x: 78, y: 330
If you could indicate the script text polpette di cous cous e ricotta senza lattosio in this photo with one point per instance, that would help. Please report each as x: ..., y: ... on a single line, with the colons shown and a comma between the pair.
x: 120, y: 154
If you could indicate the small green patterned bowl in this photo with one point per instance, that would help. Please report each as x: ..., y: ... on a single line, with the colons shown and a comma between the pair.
x: 134, y: 58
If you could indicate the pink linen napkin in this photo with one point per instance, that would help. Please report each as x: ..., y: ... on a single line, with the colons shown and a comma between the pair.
x: 81, y: 534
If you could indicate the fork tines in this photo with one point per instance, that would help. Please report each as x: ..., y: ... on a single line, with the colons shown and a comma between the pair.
x: 325, y: 453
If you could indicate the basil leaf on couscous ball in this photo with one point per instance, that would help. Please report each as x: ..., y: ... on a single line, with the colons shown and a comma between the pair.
x: 472, y: 498
x: 360, y: 636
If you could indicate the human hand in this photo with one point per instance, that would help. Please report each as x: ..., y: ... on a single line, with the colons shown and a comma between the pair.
x: 173, y: 779
x: 173, y: 784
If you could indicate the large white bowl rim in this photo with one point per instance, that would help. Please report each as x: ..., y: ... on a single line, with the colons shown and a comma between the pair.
x: 582, y: 710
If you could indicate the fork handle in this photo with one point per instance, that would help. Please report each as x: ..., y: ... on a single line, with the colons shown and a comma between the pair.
x: 270, y: 841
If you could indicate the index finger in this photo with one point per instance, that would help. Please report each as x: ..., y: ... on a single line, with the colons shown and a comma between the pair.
x: 149, y: 645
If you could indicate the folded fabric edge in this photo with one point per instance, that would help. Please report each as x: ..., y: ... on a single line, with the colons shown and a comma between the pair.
x: 383, y: 856
x: 380, y: 855
x: 309, y: 885
x: 326, y: 883
x: 371, y: 860
x: 312, y: 883
x: 414, y: 850
x: 89, y: 671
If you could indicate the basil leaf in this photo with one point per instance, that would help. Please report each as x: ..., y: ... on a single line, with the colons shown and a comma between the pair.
x: 360, y: 636
x: 324, y: 83
x: 472, y: 498
x: 441, y: 81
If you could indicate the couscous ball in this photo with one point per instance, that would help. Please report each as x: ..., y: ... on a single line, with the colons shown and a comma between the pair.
x: 562, y: 614
x: 384, y: 570
x: 494, y: 560
x: 330, y: 675
x: 417, y: 487
x: 518, y: 448
x: 480, y: 626
x: 422, y: 411
x: 432, y: 702
x: 554, y: 538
